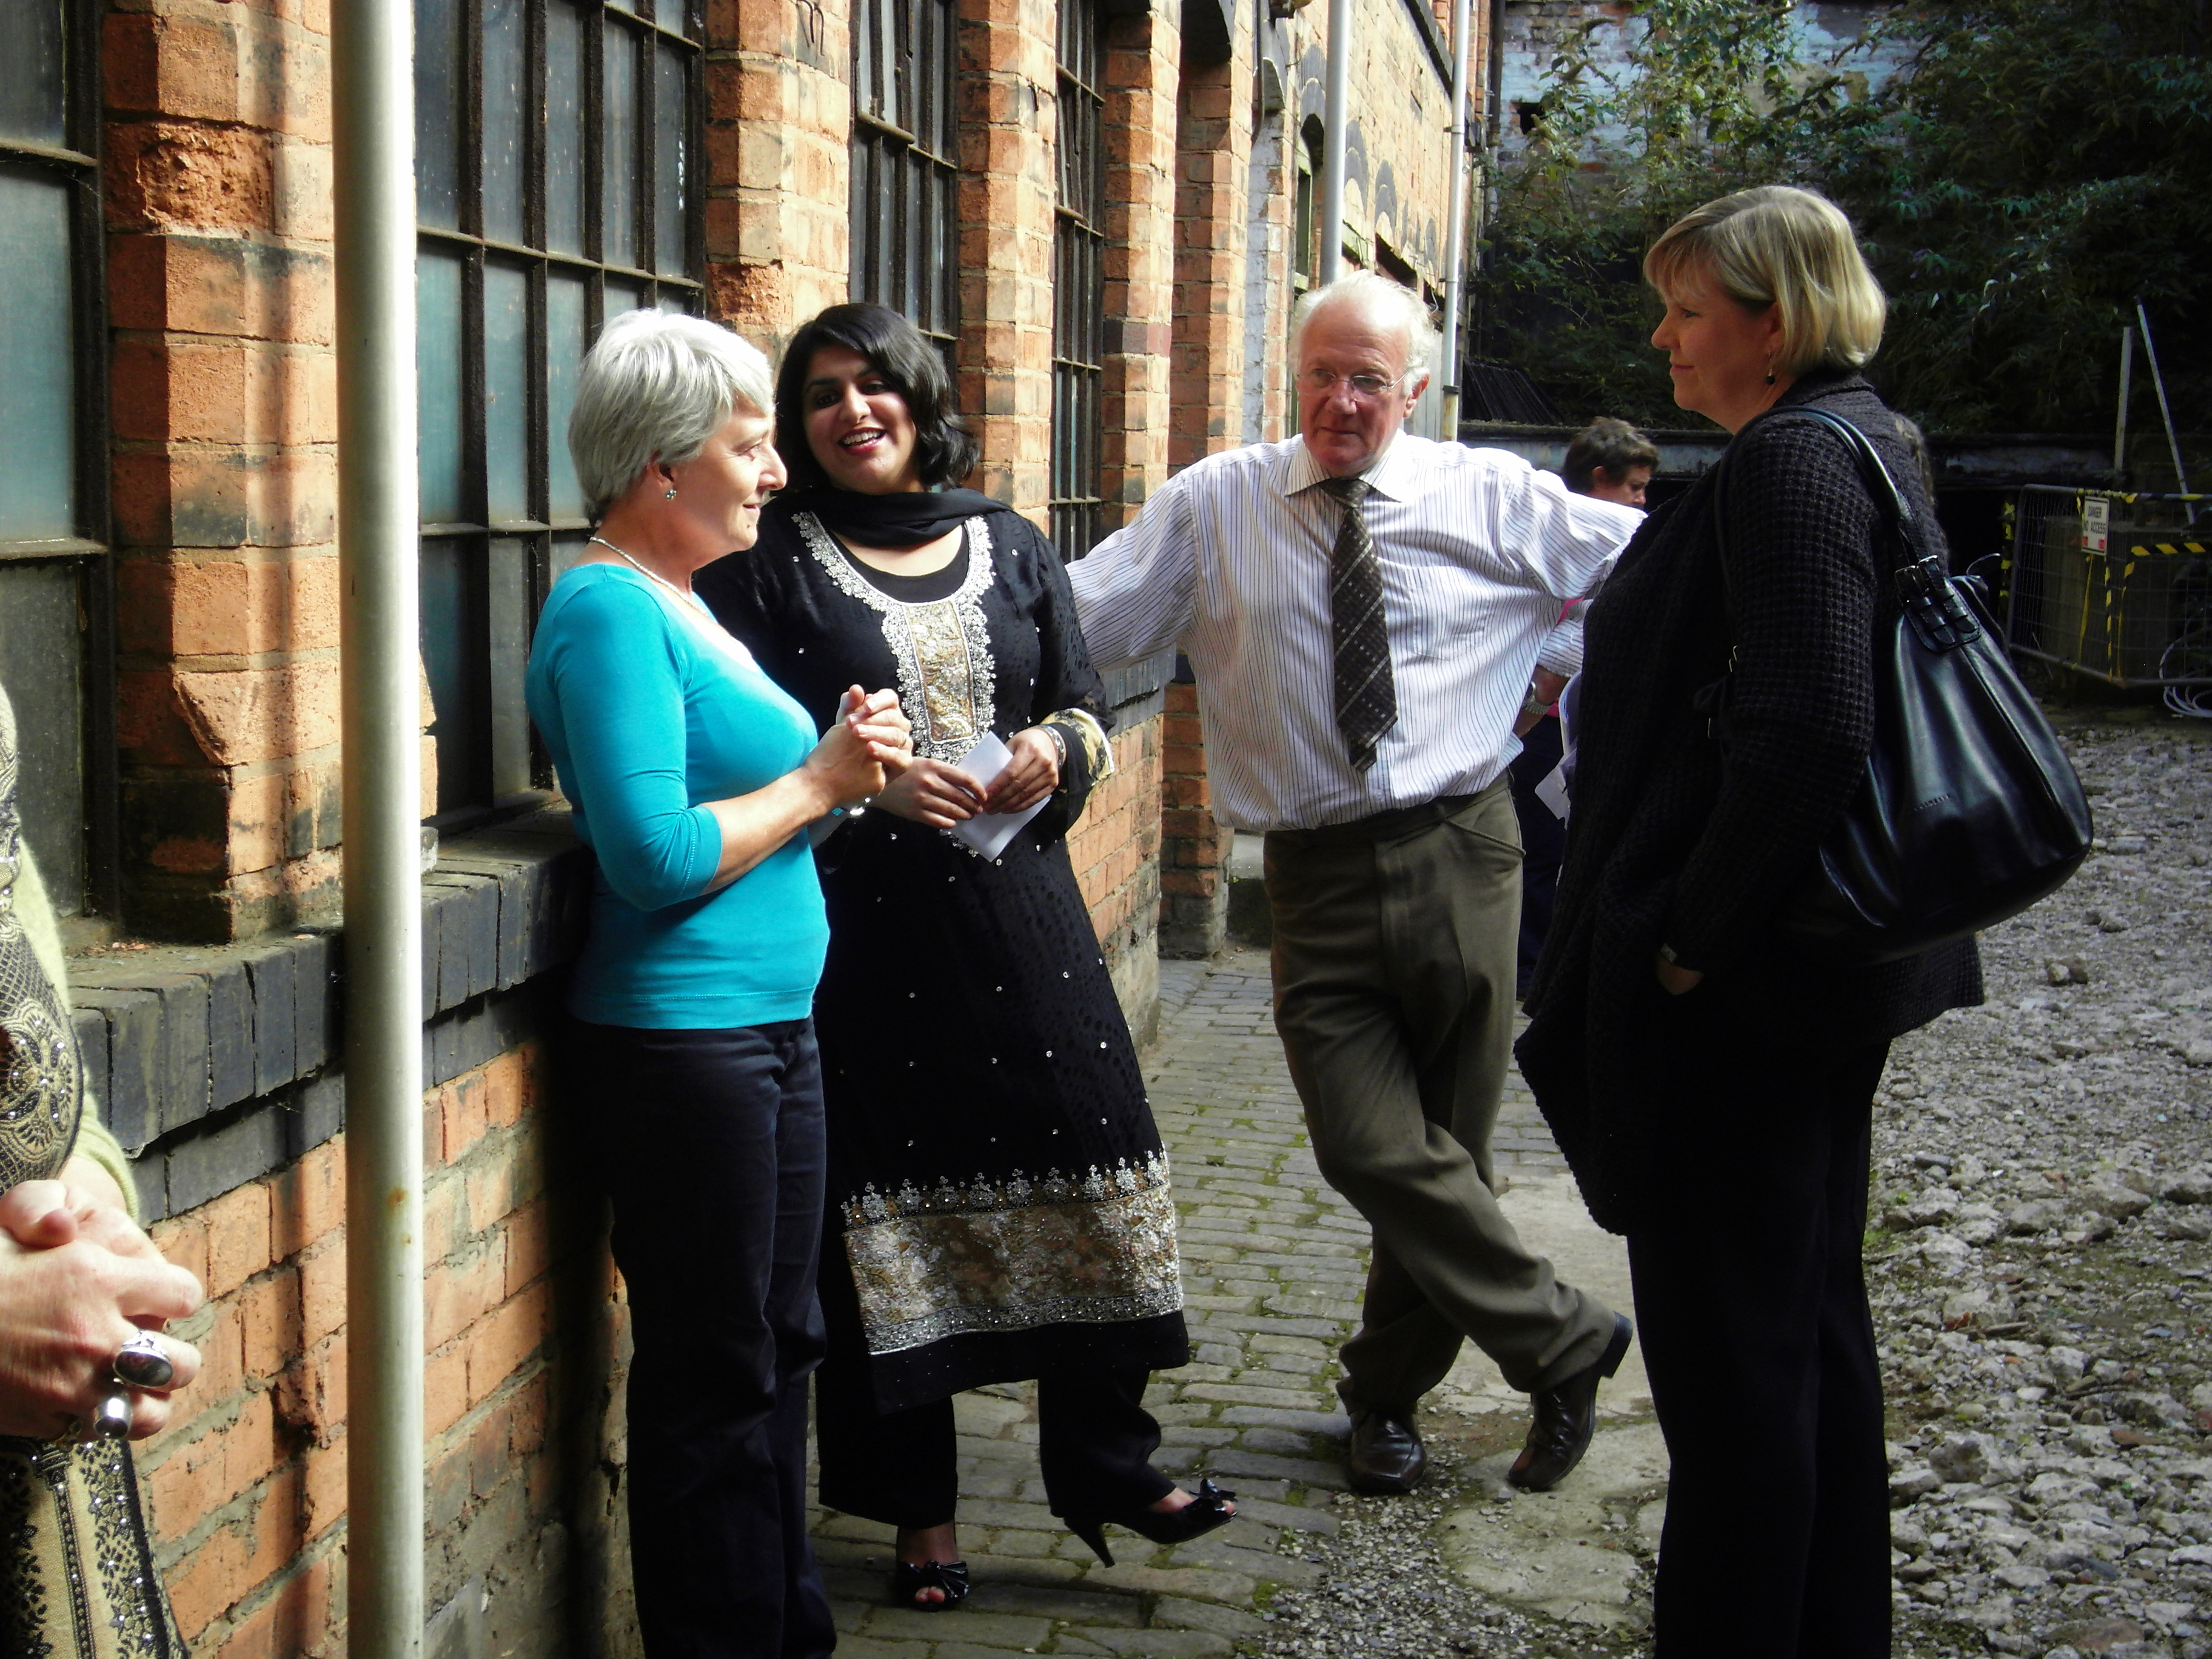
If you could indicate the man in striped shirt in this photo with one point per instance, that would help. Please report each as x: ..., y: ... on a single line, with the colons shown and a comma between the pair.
x: 1365, y: 612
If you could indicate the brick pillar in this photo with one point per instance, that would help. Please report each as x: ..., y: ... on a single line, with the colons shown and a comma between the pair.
x: 1141, y: 78
x: 1212, y: 163
x: 1193, y: 844
x: 223, y: 393
x: 779, y: 121
x: 1007, y: 93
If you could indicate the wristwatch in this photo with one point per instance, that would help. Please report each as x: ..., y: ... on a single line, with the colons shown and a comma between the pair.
x: 1536, y: 702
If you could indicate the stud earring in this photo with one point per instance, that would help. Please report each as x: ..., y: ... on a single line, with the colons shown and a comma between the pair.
x: 671, y: 495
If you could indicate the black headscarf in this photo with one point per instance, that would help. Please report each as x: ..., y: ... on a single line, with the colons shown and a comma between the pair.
x: 902, y: 519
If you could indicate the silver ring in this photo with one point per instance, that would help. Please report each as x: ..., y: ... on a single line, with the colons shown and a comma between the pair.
x: 141, y: 1363
x: 110, y: 1417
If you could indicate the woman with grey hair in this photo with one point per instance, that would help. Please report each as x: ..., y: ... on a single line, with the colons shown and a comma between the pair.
x: 695, y: 780
x: 1682, y: 1046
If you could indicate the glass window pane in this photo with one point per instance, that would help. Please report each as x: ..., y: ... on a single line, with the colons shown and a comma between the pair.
x: 453, y: 656
x: 509, y: 618
x: 618, y: 152
x: 438, y: 384
x: 41, y: 664
x: 37, y: 489
x: 32, y: 106
x: 565, y: 349
x: 564, y: 128
x: 567, y: 549
x: 620, y: 297
x: 507, y: 391
x: 438, y: 84
x: 671, y: 158
x: 505, y: 75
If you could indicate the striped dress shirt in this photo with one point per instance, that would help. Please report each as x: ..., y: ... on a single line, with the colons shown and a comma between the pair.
x: 1229, y: 561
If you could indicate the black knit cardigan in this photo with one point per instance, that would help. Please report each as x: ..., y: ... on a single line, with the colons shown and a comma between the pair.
x: 1668, y: 843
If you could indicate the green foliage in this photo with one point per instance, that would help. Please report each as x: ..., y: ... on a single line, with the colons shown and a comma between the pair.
x: 2035, y: 166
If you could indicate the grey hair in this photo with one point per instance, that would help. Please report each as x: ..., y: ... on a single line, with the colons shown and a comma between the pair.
x: 656, y: 386
x: 1375, y: 293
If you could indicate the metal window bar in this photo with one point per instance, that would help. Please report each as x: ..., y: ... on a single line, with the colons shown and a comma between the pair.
x: 905, y: 233
x: 2133, y: 612
x: 1075, y: 505
x: 486, y: 576
x: 78, y: 841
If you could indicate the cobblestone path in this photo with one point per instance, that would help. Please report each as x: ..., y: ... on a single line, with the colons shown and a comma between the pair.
x: 1273, y: 1265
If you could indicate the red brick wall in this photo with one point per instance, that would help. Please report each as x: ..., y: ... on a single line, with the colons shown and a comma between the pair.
x: 248, y: 1483
x: 222, y: 395
x: 1116, y: 850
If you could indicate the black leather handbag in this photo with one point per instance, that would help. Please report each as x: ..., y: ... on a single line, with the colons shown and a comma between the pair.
x: 1969, y: 811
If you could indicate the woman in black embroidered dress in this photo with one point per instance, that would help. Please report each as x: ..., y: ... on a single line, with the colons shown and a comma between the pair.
x: 998, y: 1205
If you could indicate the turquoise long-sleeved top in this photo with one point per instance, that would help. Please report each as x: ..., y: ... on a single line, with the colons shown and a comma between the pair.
x: 647, y: 715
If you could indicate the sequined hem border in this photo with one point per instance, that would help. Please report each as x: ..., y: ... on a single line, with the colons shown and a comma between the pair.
x: 1014, y: 1253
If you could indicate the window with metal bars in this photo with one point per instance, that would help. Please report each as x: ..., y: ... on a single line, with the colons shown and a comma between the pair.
x: 1079, y: 281
x: 905, y: 176
x: 54, y: 576
x: 557, y: 163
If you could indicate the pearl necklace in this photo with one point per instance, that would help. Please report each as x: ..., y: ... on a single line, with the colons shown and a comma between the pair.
x: 694, y: 608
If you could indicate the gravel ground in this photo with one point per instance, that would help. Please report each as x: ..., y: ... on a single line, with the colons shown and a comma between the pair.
x: 2042, y: 1288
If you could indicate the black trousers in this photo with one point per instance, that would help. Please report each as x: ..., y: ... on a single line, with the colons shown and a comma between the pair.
x: 1095, y: 1438
x: 714, y: 1154
x: 1751, y: 1306
x: 1543, y: 840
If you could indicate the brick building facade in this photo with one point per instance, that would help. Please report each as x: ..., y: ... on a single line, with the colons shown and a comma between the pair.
x: 1105, y: 218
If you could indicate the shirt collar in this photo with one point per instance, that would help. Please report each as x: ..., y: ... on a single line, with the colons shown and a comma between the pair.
x: 1393, y: 473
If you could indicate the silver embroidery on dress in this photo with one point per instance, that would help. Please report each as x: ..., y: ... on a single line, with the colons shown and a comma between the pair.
x: 1010, y: 1253
x: 38, y: 1075
x: 948, y: 682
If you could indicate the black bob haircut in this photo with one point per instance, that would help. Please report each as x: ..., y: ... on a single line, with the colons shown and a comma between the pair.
x: 944, y: 446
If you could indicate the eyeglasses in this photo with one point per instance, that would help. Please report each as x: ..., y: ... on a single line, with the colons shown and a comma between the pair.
x: 1365, y: 387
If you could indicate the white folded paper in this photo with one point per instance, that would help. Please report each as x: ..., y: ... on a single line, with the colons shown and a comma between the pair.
x: 989, y: 834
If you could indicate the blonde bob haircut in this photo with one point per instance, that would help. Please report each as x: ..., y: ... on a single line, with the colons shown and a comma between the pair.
x: 1778, y: 245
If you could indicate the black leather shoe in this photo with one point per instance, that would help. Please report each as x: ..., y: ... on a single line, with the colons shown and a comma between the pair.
x: 1386, y: 1454
x: 1566, y: 1418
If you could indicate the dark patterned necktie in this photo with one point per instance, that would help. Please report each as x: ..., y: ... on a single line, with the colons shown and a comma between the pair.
x: 1366, y: 697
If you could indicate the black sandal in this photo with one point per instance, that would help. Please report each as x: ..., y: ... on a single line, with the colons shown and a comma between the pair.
x: 909, y: 1579
x: 1208, y: 1508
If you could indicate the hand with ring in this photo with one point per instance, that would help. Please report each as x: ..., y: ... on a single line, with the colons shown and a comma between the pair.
x: 79, y: 1323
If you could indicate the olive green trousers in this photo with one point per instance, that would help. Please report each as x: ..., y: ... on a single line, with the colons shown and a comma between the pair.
x: 1394, y: 946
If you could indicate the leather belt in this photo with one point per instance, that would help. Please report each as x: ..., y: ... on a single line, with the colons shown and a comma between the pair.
x: 1384, y: 826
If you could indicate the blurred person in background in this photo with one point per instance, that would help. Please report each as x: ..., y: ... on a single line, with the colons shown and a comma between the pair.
x: 1609, y: 460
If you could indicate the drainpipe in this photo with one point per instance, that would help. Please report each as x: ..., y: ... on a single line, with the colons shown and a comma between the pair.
x: 372, y: 65
x: 1455, y: 237
x: 1337, y: 95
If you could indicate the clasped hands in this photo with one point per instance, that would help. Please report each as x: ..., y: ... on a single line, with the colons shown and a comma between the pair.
x: 932, y: 793
x: 79, y: 1280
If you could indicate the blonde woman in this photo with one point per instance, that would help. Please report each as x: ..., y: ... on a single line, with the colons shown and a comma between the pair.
x: 1712, y: 1087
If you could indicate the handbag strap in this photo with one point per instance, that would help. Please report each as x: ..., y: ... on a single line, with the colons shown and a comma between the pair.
x: 1933, y: 612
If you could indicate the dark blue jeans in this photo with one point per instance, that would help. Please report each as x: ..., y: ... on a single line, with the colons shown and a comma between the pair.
x: 714, y: 1154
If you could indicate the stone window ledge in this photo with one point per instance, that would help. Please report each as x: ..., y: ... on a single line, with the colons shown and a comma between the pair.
x: 216, y: 1065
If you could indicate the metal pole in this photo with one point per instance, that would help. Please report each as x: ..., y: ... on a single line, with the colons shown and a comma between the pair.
x: 2150, y: 357
x: 1333, y: 116
x: 1455, y: 236
x: 371, y: 61
x: 2127, y: 386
